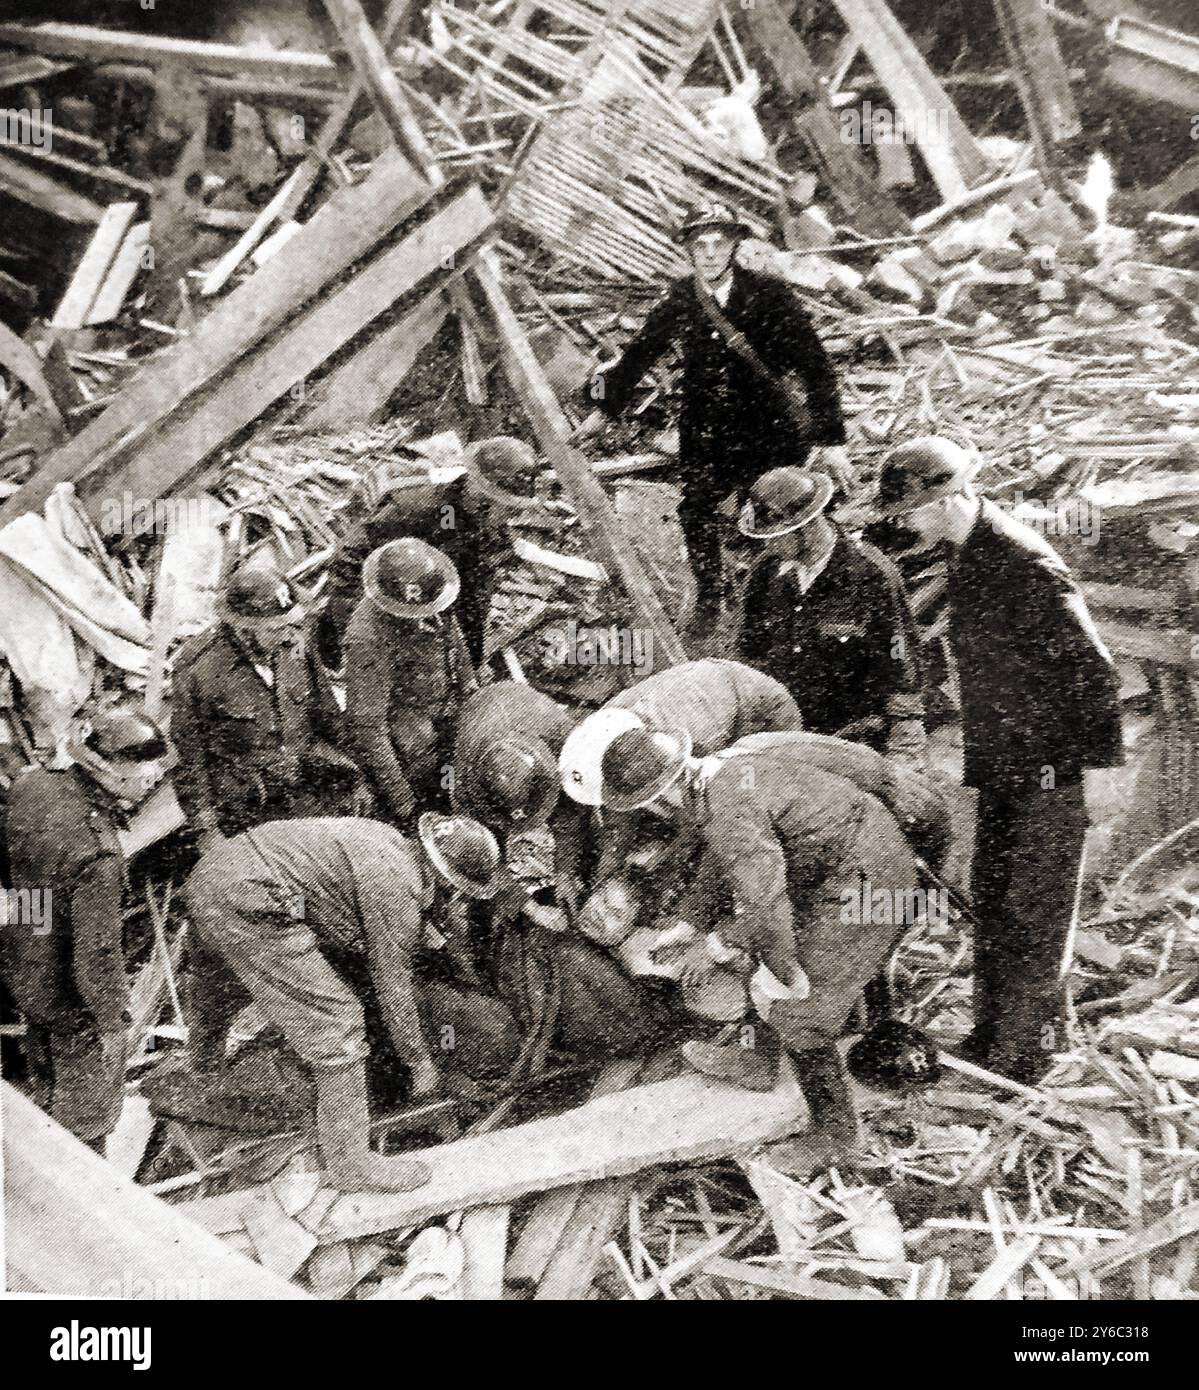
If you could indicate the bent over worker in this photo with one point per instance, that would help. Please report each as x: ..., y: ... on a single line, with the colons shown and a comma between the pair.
x: 792, y: 844
x: 271, y: 901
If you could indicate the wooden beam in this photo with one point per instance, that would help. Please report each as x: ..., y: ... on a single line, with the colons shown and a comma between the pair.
x: 345, y: 229
x: 574, y: 473
x: 1182, y: 183
x: 1042, y: 82
x: 844, y: 166
x: 95, y: 45
x: 75, y: 1225
x: 19, y: 358
x: 954, y: 160
x: 377, y: 76
x: 125, y: 268
x: 337, y: 121
x: 176, y: 451
x: 686, y: 1119
x: 94, y: 265
x: 356, y: 392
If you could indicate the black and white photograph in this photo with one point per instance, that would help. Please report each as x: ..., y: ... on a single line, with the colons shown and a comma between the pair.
x: 599, y: 662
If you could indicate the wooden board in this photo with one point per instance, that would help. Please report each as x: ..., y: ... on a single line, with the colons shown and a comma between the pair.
x: 484, y: 1234
x: 356, y: 392
x: 685, y: 1119
x: 345, y: 229
x: 110, y: 300
x: 94, y: 265
x: 177, y: 450
x: 29, y: 186
x: 585, y: 492
x: 74, y: 1225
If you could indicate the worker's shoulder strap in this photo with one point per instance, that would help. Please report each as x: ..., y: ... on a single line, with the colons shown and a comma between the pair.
x: 794, y: 397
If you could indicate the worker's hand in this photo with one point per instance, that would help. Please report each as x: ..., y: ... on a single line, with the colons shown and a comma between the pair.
x: 834, y: 460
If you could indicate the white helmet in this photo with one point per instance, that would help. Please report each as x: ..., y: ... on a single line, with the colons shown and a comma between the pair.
x: 581, y: 761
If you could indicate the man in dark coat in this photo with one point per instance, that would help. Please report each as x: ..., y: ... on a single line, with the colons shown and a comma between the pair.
x: 735, y: 422
x: 407, y: 673
x: 254, y: 718
x: 61, y: 935
x: 827, y: 616
x: 462, y: 514
x: 1040, y: 701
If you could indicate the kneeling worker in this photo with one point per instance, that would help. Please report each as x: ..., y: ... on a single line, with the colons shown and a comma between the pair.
x: 269, y: 900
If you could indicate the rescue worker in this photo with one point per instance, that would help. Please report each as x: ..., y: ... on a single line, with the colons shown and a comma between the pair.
x: 63, y: 956
x: 749, y: 354
x: 827, y: 616
x: 1040, y: 703
x: 463, y: 515
x: 510, y: 736
x: 407, y: 674
x: 275, y: 902
x: 791, y: 843
x: 254, y: 718
x: 715, y: 700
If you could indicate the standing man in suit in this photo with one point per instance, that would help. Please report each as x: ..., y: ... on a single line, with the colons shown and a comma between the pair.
x: 759, y: 390
x: 1040, y: 703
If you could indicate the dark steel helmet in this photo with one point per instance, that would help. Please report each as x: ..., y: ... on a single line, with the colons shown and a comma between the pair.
x: 409, y: 578
x: 258, y: 597
x: 923, y: 470
x: 517, y: 780
x: 782, y: 501
x: 640, y: 764
x: 714, y: 216
x: 465, y: 853
x: 894, y: 1056
x: 125, y: 733
x: 504, y: 469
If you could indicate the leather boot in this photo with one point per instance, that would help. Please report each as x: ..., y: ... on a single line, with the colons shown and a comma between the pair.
x: 752, y: 1068
x: 343, y: 1132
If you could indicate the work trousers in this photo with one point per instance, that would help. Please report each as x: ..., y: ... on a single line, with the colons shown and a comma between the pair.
x: 1027, y: 872
x: 838, y: 950
x: 73, y: 1078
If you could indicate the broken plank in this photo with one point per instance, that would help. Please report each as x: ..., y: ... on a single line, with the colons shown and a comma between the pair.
x: 843, y: 165
x: 74, y: 1225
x: 783, y: 1282
x: 345, y: 229
x: 1179, y: 1225
x: 685, y: 1119
x: 221, y: 273
x: 93, y: 266
x: 1005, y: 1266
x: 178, y: 448
x: 953, y: 158
x: 30, y: 186
x: 21, y: 359
x: 124, y: 270
x: 484, y: 1235
x: 549, y: 1218
x: 357, y: 391
x: 585, y: 492
x: 1039, y: 71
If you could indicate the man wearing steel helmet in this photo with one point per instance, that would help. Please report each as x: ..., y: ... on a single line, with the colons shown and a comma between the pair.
x: 1040, y: 700
x: 254, y: 718
x: 407, y: 674
x: 738, y: 416
x: 462, y: 514
x: 66, y: 970
x: 276, y: 905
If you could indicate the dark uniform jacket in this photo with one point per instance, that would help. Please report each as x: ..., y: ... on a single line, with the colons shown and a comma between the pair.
x: 733, y: 425
x: 442, y: 514
x: 66, y: 972
x: 250, y: 752
x: 847, y: 650
x: 405, y: 683
x: 1040, y: 695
